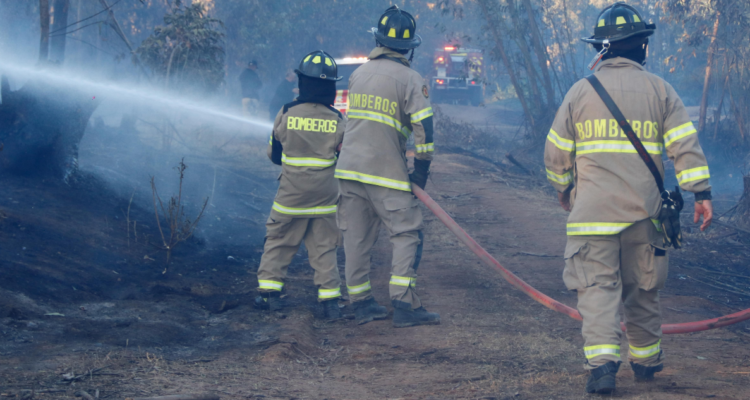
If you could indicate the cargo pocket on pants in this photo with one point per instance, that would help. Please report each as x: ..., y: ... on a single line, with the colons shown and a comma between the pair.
x: 277, y: 227
x: 574, y: 275
x: 403, y: 213
x: 340, y: 213
x: 654, y: 267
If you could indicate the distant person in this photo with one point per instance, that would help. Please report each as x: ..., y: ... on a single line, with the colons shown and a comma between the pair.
x: 306, y: 137
x: 285, y: 92
x: 621, y: 220
x: 250, y: 84
x: 388, y: 102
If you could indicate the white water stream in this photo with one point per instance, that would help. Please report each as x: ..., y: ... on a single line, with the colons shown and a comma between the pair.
x: 137, y: 95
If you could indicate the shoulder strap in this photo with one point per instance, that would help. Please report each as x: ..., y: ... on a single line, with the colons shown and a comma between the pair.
x: 623, y: 122
x: 335, y: 111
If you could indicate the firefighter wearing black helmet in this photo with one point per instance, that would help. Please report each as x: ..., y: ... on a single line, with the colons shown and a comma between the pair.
x: 306, y: 135
x: 388, y: 103
x: 616, y: 252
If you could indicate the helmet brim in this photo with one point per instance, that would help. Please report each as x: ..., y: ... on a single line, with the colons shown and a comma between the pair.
x: 324, y: 77
x: 398, y: 44
x: 600, y: 40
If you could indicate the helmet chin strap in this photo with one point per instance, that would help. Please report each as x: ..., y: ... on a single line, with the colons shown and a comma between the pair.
x: 411, y: 57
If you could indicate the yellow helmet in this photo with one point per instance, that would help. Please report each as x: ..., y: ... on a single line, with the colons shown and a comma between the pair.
x: 397, y: 29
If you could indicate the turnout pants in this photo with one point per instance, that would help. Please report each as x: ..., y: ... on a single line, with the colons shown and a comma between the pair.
x: 629, y: 267
x: 362, y: 209
x: 283, y: 238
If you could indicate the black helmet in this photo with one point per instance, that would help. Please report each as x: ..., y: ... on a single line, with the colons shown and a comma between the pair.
x: 619, y: 22
x: 397, y: 29
x: 319, y: 65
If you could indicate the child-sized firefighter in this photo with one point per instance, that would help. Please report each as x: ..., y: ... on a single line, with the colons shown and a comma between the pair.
x: 306, y: 135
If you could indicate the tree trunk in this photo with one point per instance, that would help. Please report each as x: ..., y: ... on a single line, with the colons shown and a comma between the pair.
x: 530, y: 71
x: 742, y: 216
x: 541, y: 54
x: 737, y: 114
x: 707, y: 79
x: 501, y: 49
x: 41, y: 125
x: 523, y: 48
x: 567, y: 69
x: 118, y: 30
x: 570, y: 40
x: 58, y: 38
x: 717, y: 114
x: 44, y: 23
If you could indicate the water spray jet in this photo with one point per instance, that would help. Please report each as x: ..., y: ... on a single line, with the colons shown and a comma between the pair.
x: 133, y: 94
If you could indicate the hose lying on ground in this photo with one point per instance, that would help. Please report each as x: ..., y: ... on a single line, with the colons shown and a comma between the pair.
x: 548, y: 301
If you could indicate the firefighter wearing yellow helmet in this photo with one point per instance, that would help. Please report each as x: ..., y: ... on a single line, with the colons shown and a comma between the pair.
x: 621, y: 219
x: 388, y: 103
x: 306, y: 135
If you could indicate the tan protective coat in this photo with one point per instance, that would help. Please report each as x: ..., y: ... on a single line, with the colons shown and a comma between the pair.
x: 309, y: 134
x: 586, y: 147
x: 387, y: 103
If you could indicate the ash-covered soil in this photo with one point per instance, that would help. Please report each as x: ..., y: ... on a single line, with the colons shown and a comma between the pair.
x: 84, y: 306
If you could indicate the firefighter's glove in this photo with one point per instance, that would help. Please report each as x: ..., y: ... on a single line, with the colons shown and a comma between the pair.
x: 420, y: 174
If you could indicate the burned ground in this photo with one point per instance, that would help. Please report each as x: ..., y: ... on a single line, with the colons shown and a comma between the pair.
x: 83, y: 306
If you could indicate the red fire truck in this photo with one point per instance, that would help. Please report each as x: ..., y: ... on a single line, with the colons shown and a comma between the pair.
x: 458, y: 76
x: 346, y: 66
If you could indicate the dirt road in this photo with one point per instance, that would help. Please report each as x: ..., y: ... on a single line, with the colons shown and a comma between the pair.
x: 196, y: 332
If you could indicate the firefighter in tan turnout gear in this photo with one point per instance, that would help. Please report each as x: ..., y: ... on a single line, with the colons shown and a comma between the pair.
x: 388, y: 102
x: 306, y: 135
x: 616, y: 251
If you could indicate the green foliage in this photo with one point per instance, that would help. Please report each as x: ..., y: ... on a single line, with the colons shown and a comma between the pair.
x: 187, y: 53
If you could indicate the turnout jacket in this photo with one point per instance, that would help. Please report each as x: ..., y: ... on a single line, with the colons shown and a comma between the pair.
x: 388, y: 101
x: 304, y: 141
x: 586, y: 149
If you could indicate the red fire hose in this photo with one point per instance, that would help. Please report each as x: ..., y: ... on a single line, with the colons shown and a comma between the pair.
x: 548, y: 301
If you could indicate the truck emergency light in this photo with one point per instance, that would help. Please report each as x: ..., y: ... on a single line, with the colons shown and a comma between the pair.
x: 440, y: 81
x: 449, y: 48
x: 352, y: 60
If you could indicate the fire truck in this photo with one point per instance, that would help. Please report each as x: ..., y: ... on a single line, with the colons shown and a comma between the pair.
x: 458, y: 76
x: 346, y: 66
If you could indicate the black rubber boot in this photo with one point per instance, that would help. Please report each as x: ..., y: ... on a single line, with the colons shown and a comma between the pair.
x: 645, y: 374
x: 404, y: 316
x: 602, y: 379
x: 368, y: 310
x: 331, y: 310
x: 269, y: 301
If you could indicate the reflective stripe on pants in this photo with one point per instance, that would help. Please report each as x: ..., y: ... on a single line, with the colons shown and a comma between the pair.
x: 627, y: 268
x: 328, y: 294
x: 362, y: 210
x: 601, y: 349
x: 283, y: 238
x: 645, y: 352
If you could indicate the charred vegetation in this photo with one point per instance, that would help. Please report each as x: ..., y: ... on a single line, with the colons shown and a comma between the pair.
x: 85, y: 307
x: 41, y: 127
